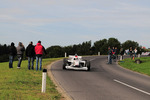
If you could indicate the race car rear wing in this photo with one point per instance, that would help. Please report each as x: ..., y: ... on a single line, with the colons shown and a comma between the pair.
x: 73, y: 56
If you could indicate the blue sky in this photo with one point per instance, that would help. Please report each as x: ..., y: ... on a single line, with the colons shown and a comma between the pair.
x: 67, y: 22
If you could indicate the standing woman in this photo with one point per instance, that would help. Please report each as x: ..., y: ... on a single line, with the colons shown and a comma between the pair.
x: 12, y: 54
x: 20, y: 51
x: 135, y: 52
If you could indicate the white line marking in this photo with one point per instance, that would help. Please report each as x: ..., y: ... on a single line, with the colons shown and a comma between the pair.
x: 132, y: 87
x: 92, y: 59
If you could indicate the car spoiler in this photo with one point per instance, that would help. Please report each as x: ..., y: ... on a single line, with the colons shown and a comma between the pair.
x: 72, y: 56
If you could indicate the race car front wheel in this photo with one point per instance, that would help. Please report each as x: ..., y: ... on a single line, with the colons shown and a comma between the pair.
x: 64, y: 66
x: 88, y: 66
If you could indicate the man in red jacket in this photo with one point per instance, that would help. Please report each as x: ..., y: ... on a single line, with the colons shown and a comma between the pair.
x: 39, y: 50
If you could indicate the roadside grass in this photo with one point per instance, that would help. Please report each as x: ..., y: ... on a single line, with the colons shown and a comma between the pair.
x: 143, y: 68
x: 24, y: 84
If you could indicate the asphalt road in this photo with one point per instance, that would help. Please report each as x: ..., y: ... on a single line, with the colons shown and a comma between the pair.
x: 103, y: 82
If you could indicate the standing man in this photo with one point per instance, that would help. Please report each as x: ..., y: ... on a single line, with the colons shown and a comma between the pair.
x: 121, y: 53
x: 109, y: 55
x: 139, y: 52
x: 116, y: 52
x: 20, y: 51
x: 30, y: 53
x: 39, y: 50
x: 131, y: 52
x: 12, y: 54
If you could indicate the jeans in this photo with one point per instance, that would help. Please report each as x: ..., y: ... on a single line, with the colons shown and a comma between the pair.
x: 20, y: 57
x: 30, y: 60
x: 39, y: 59
x: 11, y: 58
x: 135, y: 55
x: 131, y: 55
x: 109, y: 59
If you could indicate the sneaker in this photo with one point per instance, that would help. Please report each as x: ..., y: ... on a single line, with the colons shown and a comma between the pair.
x: 18, y: 67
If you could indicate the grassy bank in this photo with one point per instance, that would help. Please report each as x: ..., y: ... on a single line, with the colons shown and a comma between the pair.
x: 143, y: 68
x: 24, y: 84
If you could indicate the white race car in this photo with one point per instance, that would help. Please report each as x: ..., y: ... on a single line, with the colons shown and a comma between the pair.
x: 76, y: 62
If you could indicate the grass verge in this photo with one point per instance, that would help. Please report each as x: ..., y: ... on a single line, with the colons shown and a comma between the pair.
x: 143, y: 68
x: 24, y: 84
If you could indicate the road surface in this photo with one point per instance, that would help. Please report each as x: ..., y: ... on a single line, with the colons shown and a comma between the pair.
x: 103, y: 82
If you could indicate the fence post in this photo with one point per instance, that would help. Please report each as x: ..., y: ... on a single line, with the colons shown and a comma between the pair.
x: 44, y: 80
x: 65, y: 54
x: 121, y: 57
x: 99, y: 53
x: 139, y: 55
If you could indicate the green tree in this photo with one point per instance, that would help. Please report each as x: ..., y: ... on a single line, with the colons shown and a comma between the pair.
x: 85, y: 48
x: 80, y: 49
x: 100, y: 46
x: 68, y: 50
x: 4, y: 50
x: 113, y: 42
x: 129, y: 43
x: 54, y: 52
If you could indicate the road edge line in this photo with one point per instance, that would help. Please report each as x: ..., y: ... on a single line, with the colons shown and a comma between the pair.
x: 58, y: 87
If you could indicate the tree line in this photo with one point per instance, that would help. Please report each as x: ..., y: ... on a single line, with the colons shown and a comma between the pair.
x: 85, y: 48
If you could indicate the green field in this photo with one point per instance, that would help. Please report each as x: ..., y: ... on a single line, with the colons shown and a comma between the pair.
x: 143, y: 68
x: 24, y: 84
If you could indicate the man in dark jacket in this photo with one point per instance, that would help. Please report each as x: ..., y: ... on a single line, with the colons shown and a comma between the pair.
x: 12, y: 54
x: 121, y: 53
x: 39, y: 50
x: 30, y: 53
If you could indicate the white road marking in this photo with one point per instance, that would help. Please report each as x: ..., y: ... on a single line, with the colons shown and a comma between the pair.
x: 132, y: 87
x: 92, y: 59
